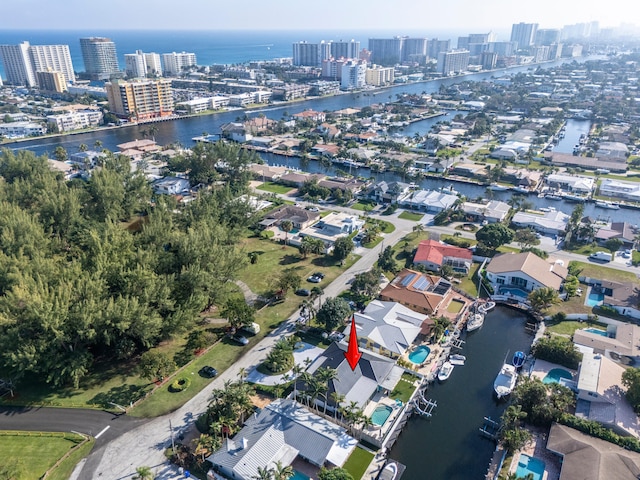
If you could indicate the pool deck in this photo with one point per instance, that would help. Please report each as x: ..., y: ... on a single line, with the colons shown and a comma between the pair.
x: 537, y: 448
x: 541, y: 368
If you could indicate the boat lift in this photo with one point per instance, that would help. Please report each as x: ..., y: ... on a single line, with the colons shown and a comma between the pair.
x: 423, y: 405
x: 490, y: 428
x: 456, y: 343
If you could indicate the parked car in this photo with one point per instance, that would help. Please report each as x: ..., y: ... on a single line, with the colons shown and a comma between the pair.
x: 313, y: 209
x: 314, y: 279
x: 320, y: 275
x: 208, y: 371
x: 240, y: 339
x: 303, y: 292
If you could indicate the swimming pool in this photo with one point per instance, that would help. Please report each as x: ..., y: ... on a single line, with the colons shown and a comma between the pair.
x: 299, y: 476
x: 381, y: 414
x: 518, y: 292
x: 594, y: 299
x: 419, y: 355
x: 597, y: 331
x: 556, y: 374
x: 529, y: 465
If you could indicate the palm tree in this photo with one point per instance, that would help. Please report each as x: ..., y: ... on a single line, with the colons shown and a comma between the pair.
x: 264, y: 473
x: 97, y: 144
x: 205, y: 444
x: 144, y: 473
x: 296, y: 370
x: 282, y: 472
x: 337, y: 398
x: 153, y: 129
x: 83, y: 147
x: 542, y: 298
x: 324, y: 376
x: 242, y: 373
x: 286, y: 226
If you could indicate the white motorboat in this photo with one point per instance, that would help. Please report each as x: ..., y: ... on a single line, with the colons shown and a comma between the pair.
x: 496, y: 187
x: 521, y: 190
x: 552, y: 196
x: 574, y: 198
x: 609, y: 205
x: 445, y: 371
x: 486, y: 307
x: 389, y: 472
x: 457, y: 359
x: 475, y: 321
x: 505, y: 382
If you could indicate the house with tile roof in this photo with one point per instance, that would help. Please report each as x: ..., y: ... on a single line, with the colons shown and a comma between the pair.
x: 589, y: 458
x: 300, y: 217
x: 524, y: 272
x: 387, y: 328
x: 622, y: 230
x: 621, y: 343
x: 284, y: 431
x: 433, y: 255
x: 420, y: 292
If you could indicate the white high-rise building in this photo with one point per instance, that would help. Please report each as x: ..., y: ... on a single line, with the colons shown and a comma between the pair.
x: 154, y: 66
x: 21, y: 62
x: 345, y: 49
x: 354, y: 73
x: 173, y: 64
x: 135, y: 65
x: 453, y: 62
x: 99, y: 56
x: 524, y: 34
x: 311, y: 54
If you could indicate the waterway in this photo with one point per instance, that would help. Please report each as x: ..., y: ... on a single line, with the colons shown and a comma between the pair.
x: 573, y: 130
x: 449, y: 446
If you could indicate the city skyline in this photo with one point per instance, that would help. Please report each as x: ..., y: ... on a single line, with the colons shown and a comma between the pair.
x: 357, y: 14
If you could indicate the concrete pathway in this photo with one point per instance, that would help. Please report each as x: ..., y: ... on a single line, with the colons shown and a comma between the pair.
x: 249, y: 296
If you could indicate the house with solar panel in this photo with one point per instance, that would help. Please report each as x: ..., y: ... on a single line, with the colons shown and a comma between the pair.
x: 420, y: 292
x: 284, y: 431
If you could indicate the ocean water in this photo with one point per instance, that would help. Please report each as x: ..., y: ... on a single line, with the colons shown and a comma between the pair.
x: 210, y: 46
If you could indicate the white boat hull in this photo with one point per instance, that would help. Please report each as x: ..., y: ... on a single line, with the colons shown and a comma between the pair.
x: 505, y: 382
x: 445, y: 371
x: 475, y: 322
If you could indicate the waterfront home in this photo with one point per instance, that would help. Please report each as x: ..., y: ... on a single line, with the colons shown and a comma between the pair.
x: 373, y: 373
x: 620, y: 230
x: 383, y: 192
x: 509, y: 154
x: 86, y: 160
x: 552, y: 222
x: 326, y: 149
x: 571, y: 183
x: 620, y: 342
x: 339, y: 183
x: 171, y: 186
x: 388, y: 328
x: 469, y: 170
x: 613, y: 151
x: 623, y: 297
x: 590, y: 163
x: 236, y: 132
x: 300, y: 218
x: 296, y: 179
x: 311, y: 115
x: 493, y: 211
x: 427, y: 200
x: 433, y: 255
x: 586, y: 457
x: 267, y: 172
x: 421, y: 292
x: 143, y: 146
x: 601, y: 395
x: 620, y: 189
x: 63, y: 167
x: 330, y: 228
x: 517, y: 274
x: 286, y: 432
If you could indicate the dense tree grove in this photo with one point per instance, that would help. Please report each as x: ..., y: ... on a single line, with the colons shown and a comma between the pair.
x: 81, y: 283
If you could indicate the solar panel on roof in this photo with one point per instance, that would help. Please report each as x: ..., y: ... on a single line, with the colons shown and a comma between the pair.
x: 408, y: 279
x: 421, y: 284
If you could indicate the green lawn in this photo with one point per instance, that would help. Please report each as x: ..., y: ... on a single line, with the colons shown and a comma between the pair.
x: 373, y: 243
x: 274, y: 187
x: 454, y: 306
x: 362, y: 206
x: 358, y: 462
x: 469, y: 283
x: 387, y: 227
x: 583, y: 249
x: 414, y: 217
x: 404, y: 389
x: 604, y: 273
x: 36, y: 452
x: 402, y: 251
x: 568, y: 327
x: 64, y: 470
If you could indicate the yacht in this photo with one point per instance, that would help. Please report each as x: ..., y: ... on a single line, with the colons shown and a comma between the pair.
x: 389, y: 472
x: 574, y: 198
x: 496, y: 187
x: 505, y: 382
x: 609, y: 205
x: 521, y: 189
x: 486, y: 307
x: 475, y: 321
x: 457, y: 359
x: 445, y: 371
x: 552, y: 196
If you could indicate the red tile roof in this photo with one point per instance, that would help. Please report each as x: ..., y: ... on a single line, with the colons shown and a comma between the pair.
x: 435, y: 252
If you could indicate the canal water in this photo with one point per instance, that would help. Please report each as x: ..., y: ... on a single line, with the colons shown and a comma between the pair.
x: 573, y: 130
x: 449, y: 446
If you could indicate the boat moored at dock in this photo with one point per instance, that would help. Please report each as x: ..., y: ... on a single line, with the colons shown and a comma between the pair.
x: 486, y: 307
x: 445, y: 371
x: 518, y: 359
x: 475, y: 321
x: 505, y: 382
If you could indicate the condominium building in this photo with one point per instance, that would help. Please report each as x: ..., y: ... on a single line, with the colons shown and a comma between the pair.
x: 353, y: 75
x: 99, y: 56
x: 311, y: 54
x: 378, y: 76
x: 22, y: 129
x: 173, y: 64
x: 386, y: 51
x: 141, y: 65
x: 141, y: 100
x: 453, y: 62
x: 345, y: 49
x: 66, y: 122
x: 51, y: 81
x: 21, y: 62
x: 547, y: 36
x: 435, y: 47
x: 524, y: 34
x: 503, y: 49
x: 332, y: 68
x: 414, y: 50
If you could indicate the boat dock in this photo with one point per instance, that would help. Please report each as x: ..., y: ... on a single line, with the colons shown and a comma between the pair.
x: 490, y: 428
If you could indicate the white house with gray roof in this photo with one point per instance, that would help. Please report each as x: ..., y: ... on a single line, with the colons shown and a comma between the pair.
x: 427, y: 200
x: 283, y: 431
x: 551, y: 222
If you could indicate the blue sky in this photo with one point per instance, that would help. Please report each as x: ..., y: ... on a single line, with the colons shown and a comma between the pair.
x: 304, y: 14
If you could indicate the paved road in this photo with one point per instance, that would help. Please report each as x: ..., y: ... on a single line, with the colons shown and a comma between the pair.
x: 91, y: 422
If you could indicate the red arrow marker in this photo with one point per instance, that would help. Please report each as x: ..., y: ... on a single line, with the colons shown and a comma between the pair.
x: 353, y: 353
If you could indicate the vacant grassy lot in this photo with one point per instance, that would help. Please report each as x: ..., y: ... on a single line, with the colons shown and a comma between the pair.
x: 414, y: 217
x: 36, y: 452
x: 358, y: 462
x: 403, y: 250
x: 274, y: 188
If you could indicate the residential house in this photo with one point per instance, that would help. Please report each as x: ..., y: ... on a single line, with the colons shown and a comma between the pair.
x: 267, y: 172
x: 571, y: 183
x: 300, y: 218
x: 613, y: 151
x: 427, y: 200
x: 286, y: 432
x: 295, y: 179
x: 586, y: 457
x: 421, y: 292
x: 387, y: 328
x: 610, y: 187
x: 621, y: 342
x: 344, y: 184
x: 332, y: 227
x: 552, y: 222
x: 601, y: 396
x: 493, y: 211
x: 621, y: 230
x: 236, y: 132
x: 469, y: 170
x: 326, y: 149
x: 383, y: 191
x: 590, y: 163
x: 86, y: 160
x: 171, y: 186
x: 144, y: 146
x: 517, y: 274
x: 433, y: 255
x: 327, y: 130
x: 310, y: 115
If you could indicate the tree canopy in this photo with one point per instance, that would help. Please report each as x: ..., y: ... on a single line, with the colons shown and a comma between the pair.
x: 494, y: 235
x: 333, y: 313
